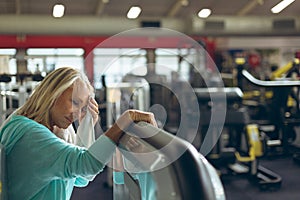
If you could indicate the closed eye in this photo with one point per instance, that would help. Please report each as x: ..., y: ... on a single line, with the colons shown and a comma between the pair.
x: 75, y: 103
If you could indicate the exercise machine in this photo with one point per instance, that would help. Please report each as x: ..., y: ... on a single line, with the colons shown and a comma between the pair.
x: 278, y: 114
x: 174, y: 167
x: 238, y: 143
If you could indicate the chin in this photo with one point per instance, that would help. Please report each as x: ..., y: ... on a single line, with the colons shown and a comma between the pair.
x: 64, y: 126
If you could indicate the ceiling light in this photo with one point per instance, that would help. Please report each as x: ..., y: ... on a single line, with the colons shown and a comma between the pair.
x: 58, y: 10
x: 204, y: 13
x: 134, y: 12
x: 281, y: 5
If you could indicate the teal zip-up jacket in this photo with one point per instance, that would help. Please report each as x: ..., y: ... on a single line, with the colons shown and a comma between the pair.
x: 41, y: 166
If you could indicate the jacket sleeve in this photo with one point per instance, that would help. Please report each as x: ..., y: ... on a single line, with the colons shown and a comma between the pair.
x: 48, y: 156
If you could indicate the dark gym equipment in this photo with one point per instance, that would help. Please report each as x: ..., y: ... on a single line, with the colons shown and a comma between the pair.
x: 177, y: 169
x: 239, y: 145
x: 277, y: 113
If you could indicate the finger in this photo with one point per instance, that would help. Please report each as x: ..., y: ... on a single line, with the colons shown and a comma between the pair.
x: 153, y: 122
x: 132, y: 144
x: 152, y: 119
x: 93, y: 106
x: 95, y: 115
x: 93, y: 101
x: 148, y: 117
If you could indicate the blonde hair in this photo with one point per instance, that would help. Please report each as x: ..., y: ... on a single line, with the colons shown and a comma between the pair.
x: 38, y: 105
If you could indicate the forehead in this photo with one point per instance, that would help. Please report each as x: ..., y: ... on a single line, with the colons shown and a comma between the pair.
x: 80, y: 90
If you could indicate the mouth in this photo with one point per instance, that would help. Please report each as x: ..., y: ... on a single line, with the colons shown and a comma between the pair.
x: 70, y: 120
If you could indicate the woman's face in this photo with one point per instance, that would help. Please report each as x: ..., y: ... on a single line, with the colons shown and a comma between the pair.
x: 70, y: 106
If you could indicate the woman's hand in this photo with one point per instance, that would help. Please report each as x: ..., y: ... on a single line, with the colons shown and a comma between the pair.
x: 94, y: 110
x: 131, y: 116
x: 126, y: 119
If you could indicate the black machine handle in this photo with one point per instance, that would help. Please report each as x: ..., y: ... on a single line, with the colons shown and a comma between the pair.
x: 192, y: 175
x: 279, y: 83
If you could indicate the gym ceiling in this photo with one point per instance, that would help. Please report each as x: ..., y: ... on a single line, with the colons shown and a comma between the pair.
x: 105, y: 17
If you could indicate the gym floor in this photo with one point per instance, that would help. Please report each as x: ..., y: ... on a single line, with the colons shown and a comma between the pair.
x: 236, y: 187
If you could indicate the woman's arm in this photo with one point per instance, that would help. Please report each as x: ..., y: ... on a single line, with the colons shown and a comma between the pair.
x: 125, y: 120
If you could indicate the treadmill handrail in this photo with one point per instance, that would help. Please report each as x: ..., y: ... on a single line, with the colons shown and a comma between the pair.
x: 280, y: 83
x: 194, y: 176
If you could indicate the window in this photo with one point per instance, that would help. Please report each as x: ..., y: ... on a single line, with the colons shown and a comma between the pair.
x: 115, y: 63
x: 47, y: 59
x: 7, y: 61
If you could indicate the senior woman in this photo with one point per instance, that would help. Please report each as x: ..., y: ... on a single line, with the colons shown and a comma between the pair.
x: 42, y: 165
